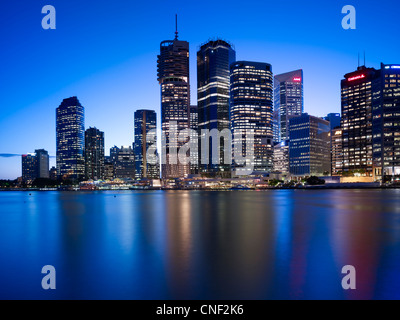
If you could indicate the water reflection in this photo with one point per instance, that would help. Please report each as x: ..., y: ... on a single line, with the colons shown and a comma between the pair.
x: 284, y: 244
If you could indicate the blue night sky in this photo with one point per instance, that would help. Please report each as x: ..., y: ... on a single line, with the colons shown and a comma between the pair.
x: 105, y: 53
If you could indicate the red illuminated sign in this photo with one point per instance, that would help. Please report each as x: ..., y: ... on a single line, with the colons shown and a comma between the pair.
x: 296, y: 79
x: 361, y: 76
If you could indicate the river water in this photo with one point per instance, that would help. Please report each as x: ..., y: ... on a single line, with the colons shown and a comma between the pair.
x: 273, y: 244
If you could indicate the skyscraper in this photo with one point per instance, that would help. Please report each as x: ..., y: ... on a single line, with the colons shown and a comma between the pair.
x: 336, y: 151
x: 70, y: 138
x: 145, y: 126
x: 42, y: 163
x: 371, y: 121
x: 173, y: 77
x: 94, y: 154
x: 29, y: 167
x: 288, y: 98
x: 386, y: 122
x: 124, y: 162
x: 276, y: 126
x: 194, y: 152
x: 251, y: 100
x: 213, y: 61
x: 356, y: 123
x: 309, y: 146
x: 281, y: 157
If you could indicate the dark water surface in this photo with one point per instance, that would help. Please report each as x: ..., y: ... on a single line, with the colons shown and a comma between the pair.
x: 277, y: 244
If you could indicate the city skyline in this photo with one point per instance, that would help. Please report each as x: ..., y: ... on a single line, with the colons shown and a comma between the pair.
x: 45, y: 89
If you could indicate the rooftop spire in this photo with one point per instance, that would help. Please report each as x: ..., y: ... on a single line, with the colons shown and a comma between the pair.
x: 176, y: 27
x: 364, y: 57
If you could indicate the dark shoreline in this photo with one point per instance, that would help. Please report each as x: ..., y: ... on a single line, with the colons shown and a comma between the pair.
x: 200, y: 189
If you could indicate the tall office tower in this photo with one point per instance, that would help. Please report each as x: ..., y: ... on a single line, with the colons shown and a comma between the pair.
x: 356, y: 123
x: 94, y: 154
x: 29, y: 167
x: 145, y: 136
x: 309, y: 147
x: 124, y: 166
x: 70, y: 128
x: 288, y: 98
x: 336, y: 151
x: 194, y: 151
x: 251, y: 100
x: 386, y: 122
x: 281, y: 157
x: 276, y: 126
x: 173, y: 77
x: 213, y: 62
x: 42, y: 163
x: 334, y: 120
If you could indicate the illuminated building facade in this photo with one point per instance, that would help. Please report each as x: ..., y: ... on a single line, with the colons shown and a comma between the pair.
x: 288, y: 99
x: 275, y: 126
x: 309, y: 147
x: 94, y: 154
x: 281, y: 157
x: 194, y: 151
x: 35, y: 165
x: 108, y: 169
x: 53, y: 173
x: 70, y: 129
x: 386, y: 122
x: 29, y: 167
x: 356, y: 123
x: 145, y: 136
x: 173, y: 77
x: 42, y: 160
x: 213, y: 75
x: 124, y: 162
x: 251, y: 103
x: 336, y: 151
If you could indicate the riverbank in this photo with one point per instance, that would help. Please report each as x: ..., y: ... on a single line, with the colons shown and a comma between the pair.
x: 360, y: 185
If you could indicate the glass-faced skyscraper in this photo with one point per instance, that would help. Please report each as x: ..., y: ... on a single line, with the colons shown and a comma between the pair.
x: 94, y: 154
x: 42, y: 158
x: 29, y: 167
x: 145, y: 125
x: 213, y: 61
x: 356, y: 123
x: 35, y: 165
x: 309, y: 146
x: 194, y: 126
x: 370, y: 121
x: 70, y: 136
x: 288, y: 99
x: 386, y: 122
x: 173, y: 77
x: 123, y: 160
x: 251, y: 101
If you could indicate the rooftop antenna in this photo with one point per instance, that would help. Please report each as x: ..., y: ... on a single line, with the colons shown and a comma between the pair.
x: 364, y: 57
x: 176, y: 27
x: 358, y: 60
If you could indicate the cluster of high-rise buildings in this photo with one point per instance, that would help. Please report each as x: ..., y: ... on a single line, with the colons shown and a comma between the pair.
x: 235, y: 96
